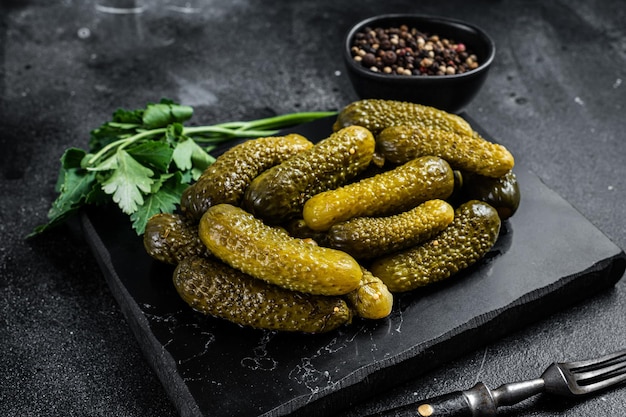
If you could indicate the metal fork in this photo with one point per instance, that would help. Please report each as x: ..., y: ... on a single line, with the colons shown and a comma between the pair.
x: 566, y: 379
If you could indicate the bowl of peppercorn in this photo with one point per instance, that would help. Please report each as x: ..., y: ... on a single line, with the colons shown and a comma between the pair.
x: 435, y: 61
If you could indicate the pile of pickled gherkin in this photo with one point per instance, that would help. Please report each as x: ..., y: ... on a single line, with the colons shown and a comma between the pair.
x: 284, y: 234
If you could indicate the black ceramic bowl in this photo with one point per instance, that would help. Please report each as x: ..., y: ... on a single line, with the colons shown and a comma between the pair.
x: 446, y: 92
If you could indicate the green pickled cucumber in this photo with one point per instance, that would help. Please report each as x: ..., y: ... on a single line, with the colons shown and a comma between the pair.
x: 170, y: 238
x: 372, y: 237
x: 269, y: 253
x: 390, y: 192
x: 279, y: 193
x: 501, y: 193
x: 467, y: 239
x: 377, y: 114
x: 298, y: 228
x: 399, y: 144
x: 372, y: 299
x: 213, y: 288
x: 228, y: 177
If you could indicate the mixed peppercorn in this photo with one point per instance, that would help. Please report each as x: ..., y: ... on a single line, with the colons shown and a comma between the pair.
x: 407, y: 51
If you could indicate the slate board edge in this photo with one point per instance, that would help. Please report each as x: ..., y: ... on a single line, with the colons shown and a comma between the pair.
x: 474, y: 334
x: 356, y: 388
x: 159, y: 359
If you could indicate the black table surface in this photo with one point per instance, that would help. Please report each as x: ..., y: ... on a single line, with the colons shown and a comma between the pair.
x: 554, y: 97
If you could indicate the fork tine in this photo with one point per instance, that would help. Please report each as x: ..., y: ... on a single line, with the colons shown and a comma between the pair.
x: 597, y: 362
x: 605, y: 383
x: 595, y: 374
x: 600, y: 373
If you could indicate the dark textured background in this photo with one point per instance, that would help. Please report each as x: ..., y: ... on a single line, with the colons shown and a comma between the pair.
x: 555, y: 97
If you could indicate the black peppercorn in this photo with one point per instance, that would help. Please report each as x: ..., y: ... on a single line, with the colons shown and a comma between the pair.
x: 407, y: 51
x: 369, y: 60
x: 390, y: 57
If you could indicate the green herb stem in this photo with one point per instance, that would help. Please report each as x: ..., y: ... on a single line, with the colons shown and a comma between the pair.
x: 221, y: 131
x: 279, y: 121
x: 122, y: 143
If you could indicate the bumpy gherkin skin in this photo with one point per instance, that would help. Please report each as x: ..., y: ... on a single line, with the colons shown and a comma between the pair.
x: 372, y: 300
x: 298, y: 228
x: 170, y: 238
x: 390, y: 192
x: 279, y: 193
x: 268, y: 253
x: 471, y: 235
x: 227, y: 178
x: 211, y: 287
x: 377, y: 114
x: 501, y: 193
x: 372, y: 237
x: 475, y: 154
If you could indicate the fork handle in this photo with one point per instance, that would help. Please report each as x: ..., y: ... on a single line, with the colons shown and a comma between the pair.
x: 454, y: 404
x: 476, y: 401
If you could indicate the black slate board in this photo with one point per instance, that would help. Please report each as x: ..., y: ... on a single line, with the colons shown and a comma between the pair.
x: 547, y: 257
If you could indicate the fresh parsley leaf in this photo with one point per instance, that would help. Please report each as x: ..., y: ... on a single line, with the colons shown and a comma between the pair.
x: 127, y: 182
x: 154, y: 154
x: 174, y: 133
x: 200, y: 160
x: 183, y: 153
x: 96, y: 196
x: 164, y: 199
x: 108, y: 164
x: 77, y: 183
x: 133, y: 117
x: 72, y: 158
x: 163, y: 114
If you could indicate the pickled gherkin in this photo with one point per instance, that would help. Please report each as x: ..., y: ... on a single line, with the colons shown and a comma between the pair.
x: 475, y: 154
x: 501, y: 193
x: 269, y: 253
x: 212, y: 287
x: 467, y: 239
x: 170, y: 237
x: 390, y: 192
x: 298, y: 228
x: 228, y: 177
x: 372, y: 299
x: 279, y: 193
x: 371, y: 237
x: 378, y: 114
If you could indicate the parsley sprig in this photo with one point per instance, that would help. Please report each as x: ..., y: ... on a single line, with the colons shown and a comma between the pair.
x: 142, y: 160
